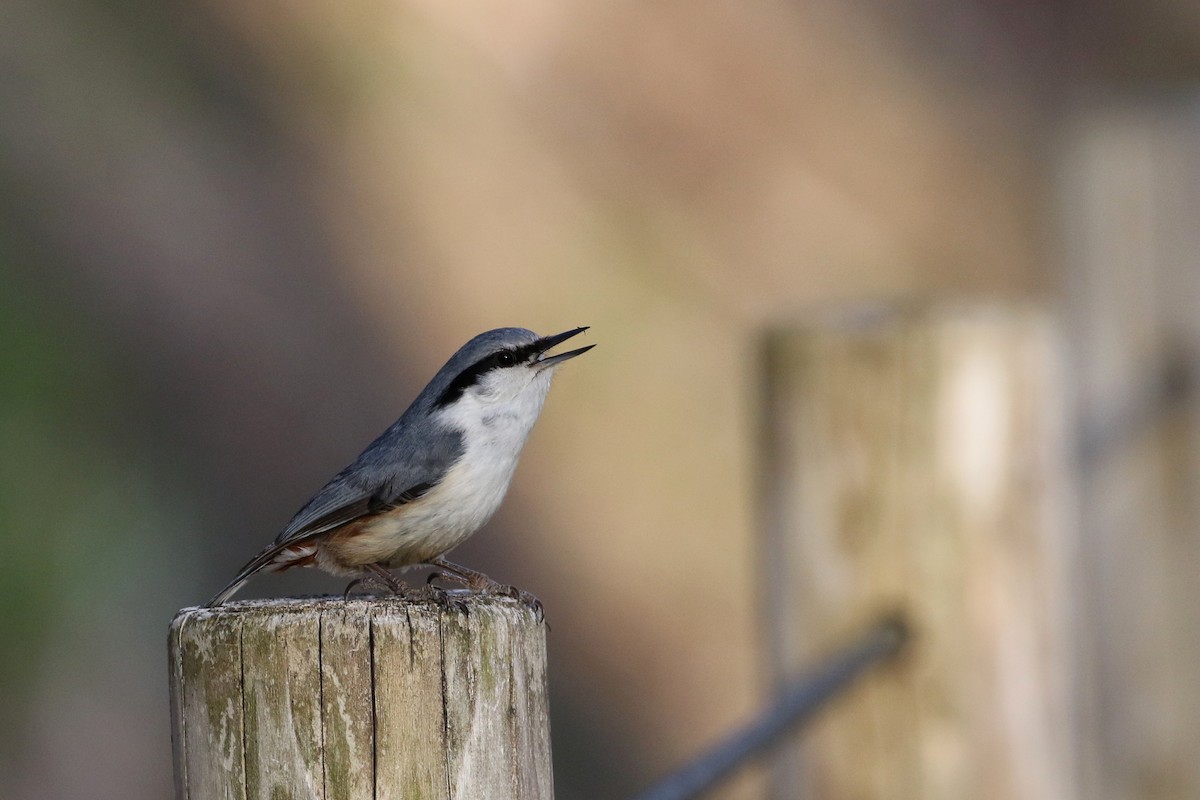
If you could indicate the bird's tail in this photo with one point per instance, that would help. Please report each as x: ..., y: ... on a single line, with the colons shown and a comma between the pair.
x: 226, y: 593
x: 298, y: 554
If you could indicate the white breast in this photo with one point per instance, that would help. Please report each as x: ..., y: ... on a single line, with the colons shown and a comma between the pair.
x: 493, y: 436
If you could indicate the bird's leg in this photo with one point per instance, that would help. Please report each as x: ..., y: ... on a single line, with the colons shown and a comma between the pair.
x: 377, y: 575
x: 466, y: 576
x: 389, y: 580
x: 479, y: 582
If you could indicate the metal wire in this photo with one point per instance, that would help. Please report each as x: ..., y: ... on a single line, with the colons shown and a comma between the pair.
x: 796, y: 704
x: 1175, y: 384
x: 1115, y: 425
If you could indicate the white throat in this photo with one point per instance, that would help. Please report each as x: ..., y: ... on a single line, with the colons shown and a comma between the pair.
x: 493, y: 431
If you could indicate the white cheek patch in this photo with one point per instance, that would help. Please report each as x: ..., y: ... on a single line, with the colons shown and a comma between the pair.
x: 499, y: 414
x: 506, y: 385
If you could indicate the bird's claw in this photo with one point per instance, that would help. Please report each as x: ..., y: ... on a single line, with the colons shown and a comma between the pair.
x: 478, y: 582
x: 380, y: 578
x: 443, y: 598
x: 527, y: 599
x: 398, y: 591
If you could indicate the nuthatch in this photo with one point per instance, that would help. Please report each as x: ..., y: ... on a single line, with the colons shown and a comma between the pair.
x: 434, y: 477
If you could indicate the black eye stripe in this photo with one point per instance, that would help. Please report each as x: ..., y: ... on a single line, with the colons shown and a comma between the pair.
x: 526, y: 351
x: 471, y: 375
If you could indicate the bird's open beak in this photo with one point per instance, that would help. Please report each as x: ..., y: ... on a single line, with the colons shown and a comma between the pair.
x: 547, y: 342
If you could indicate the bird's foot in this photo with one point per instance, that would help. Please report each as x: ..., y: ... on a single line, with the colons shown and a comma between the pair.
x: 441, y: 597
x: 477, y: 581
x: 370, y: 583
x: 378, y: 577
x: 526, y: 598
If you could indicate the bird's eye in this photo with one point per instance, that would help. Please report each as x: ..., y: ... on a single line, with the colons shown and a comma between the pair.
x: 506, y: 359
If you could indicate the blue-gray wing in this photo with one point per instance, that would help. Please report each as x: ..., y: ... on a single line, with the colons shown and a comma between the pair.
x: 395, y: 469
x: 387, y: 475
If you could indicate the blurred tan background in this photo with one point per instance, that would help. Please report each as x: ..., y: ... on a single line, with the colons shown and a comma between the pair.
x: 236, y: 238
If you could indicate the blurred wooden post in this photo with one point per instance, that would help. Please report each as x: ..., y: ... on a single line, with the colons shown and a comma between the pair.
x: 1129, y: 177
x: 360, y: 700
x: 917, y: 461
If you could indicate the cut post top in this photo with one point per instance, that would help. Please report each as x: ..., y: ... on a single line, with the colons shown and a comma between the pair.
x: 455, y: 602
x: 368, y: 698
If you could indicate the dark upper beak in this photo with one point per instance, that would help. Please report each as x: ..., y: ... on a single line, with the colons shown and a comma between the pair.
x: 547, y: 342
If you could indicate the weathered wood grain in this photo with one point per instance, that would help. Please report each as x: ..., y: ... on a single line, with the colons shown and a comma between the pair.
x: 347, y: 703
x: 209, y: 739
x: 281, y: 696
x: 410, y: 705
x: 530, y: 709
x: 361, y: 700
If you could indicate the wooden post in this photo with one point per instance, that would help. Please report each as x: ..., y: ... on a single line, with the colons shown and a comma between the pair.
x: 917, y: 461
x: 1128, y: 178
x: 360, y: 700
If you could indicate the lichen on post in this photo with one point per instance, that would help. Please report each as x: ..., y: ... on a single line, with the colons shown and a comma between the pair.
x: 370, y: 699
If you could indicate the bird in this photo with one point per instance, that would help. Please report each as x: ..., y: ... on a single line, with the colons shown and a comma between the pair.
x: 433, y: 478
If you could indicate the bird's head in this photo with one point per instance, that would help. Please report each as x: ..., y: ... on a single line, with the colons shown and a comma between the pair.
x: 502, y: 367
